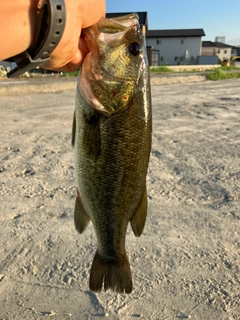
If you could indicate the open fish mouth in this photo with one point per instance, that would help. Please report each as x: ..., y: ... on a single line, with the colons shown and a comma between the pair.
x: 110, y: 86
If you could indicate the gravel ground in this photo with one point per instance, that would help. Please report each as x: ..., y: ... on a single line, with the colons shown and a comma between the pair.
x: 186, y: 263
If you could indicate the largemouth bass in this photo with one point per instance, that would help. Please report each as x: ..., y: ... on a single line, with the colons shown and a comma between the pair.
x: 112, y: 140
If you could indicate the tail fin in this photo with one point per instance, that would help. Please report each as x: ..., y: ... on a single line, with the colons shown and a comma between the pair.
x: 115, y: 274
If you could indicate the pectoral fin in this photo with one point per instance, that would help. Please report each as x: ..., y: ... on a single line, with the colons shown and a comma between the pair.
x: 139, y: 217
x: 92, y: 135
x: 73, y: 129
x: 81, y: 219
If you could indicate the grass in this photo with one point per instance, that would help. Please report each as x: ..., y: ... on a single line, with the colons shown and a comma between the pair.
x: 230, y: 68
x: 219, y: 74
x: 161, y: 69
x: 191, y: 71
x: 70, y: 74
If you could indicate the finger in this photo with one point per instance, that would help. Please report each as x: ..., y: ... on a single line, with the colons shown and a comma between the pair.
x: 74, y: 64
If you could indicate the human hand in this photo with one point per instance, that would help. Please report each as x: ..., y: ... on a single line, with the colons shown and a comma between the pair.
x: 71, y: 50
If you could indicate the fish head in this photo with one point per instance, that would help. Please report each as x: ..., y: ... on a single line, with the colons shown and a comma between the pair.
x: 111, y: 71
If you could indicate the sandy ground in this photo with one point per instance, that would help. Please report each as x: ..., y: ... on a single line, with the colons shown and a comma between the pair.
x: 185, y: 265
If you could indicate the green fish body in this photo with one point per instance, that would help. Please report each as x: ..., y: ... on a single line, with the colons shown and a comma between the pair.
x: 112, y: 129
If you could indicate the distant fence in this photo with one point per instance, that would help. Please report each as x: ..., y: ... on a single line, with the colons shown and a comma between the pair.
x: 153, y: 56
x: 209, y: 52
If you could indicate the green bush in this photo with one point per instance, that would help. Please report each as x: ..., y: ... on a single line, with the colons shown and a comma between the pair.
x: 160, y: 69
x: 219, y: 74
x: 70, y: 74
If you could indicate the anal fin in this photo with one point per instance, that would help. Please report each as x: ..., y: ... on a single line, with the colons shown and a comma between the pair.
x: 138, y: 219
x: 81, y: 218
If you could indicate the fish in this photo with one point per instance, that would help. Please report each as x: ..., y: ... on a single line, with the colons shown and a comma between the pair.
x: 111, y: 136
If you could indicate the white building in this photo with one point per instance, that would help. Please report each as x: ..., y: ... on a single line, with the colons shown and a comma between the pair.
x: 173, y: 47
x: 220, y: 39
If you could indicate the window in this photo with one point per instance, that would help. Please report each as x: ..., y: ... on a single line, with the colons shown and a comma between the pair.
x: 161, y: 58
x: 219, y: 51
x: 158, y: 41
x: 182, y: 58
x: 182, y: 41
x: 176, y: 58
x: 225, y: 51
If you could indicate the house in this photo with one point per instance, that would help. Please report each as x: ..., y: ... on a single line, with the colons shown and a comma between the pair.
x: 6, y: 65
x: 219, y: 49
x: 235, y: 51
x: 174, y: 46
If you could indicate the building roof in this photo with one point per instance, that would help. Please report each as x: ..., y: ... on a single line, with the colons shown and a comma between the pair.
x: 143, y: 18
x: 222, y: 45
x: 175, y: 33
x: 208, y: 44
x: 215, y: 44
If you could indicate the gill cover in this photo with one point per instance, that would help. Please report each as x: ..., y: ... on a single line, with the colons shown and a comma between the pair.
x: 111, y: 70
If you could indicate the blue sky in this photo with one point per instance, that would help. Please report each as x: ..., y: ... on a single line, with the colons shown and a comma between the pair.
x: 216, y: 18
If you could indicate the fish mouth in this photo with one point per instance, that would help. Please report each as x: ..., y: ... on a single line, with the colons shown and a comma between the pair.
x: 110, y: 86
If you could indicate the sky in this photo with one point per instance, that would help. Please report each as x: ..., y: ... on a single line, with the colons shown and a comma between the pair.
x: 216, y: 18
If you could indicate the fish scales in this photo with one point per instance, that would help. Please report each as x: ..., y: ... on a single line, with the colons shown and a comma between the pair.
x: 112, y: 141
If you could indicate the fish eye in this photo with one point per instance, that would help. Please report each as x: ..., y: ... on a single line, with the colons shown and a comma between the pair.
x: 135, y: 48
